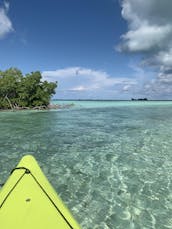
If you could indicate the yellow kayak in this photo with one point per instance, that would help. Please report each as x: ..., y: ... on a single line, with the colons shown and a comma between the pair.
x: 28, y: 201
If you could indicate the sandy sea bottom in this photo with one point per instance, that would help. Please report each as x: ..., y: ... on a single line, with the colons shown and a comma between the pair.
x: 111, y: 164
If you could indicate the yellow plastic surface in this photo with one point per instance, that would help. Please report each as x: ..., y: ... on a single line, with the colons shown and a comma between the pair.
x: 28, y: 201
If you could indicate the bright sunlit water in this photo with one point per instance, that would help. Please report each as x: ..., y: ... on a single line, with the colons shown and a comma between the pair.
x: 111, y: 162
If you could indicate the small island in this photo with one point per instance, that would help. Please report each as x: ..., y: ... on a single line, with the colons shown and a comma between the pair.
x: 139, y: 99
x: 18, y: 92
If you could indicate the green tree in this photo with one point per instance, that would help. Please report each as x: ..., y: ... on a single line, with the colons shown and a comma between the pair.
x: 24, y: 91
x: 9, y: 81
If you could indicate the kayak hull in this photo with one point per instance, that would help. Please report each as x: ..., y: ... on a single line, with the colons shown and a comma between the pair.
x: 28, y: 200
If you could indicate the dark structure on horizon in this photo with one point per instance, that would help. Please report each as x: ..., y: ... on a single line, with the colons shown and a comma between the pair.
x: 140, y: 99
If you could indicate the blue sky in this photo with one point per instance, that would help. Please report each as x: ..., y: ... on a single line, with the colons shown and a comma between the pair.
x: 95, y: 49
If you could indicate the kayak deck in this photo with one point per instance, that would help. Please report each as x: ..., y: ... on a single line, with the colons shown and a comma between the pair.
x: 27, y: 200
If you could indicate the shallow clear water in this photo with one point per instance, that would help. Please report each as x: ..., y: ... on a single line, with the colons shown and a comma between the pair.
x: 111, y: 163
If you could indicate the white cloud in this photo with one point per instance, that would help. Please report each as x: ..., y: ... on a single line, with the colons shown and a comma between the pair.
x: 5, y: 23
x: 161, y: 87
x: 6, y: 5
x: 149, y: 33
x: 79, y: 88
x: 164, y: 58
x: 88, y: 81
x: 126, y: 87
x: 146, y: 37
x: 149, y: 23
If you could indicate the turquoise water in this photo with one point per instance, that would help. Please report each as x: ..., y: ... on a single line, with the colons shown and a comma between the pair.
x: 111, y: 162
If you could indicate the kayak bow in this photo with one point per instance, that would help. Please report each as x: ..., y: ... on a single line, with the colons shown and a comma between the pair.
x: 27, y: 200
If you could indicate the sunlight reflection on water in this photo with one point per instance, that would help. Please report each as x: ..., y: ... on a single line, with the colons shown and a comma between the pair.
x: 112, y: 166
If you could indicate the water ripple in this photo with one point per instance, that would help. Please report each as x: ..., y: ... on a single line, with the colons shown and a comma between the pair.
x: 112, y: 166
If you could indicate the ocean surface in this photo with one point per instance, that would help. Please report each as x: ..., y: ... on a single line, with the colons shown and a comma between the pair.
x: 110, y: 162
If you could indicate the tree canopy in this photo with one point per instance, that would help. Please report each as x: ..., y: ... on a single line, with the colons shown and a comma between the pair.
x: 21, y: 91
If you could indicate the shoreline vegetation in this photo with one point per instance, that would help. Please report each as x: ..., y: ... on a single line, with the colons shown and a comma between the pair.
x: 39, y: 108
x: 25, y: 92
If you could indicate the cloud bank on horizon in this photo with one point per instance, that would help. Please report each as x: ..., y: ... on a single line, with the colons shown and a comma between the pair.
x: 149, y: 33
x: 85, y: 83
x: 5, y: 22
